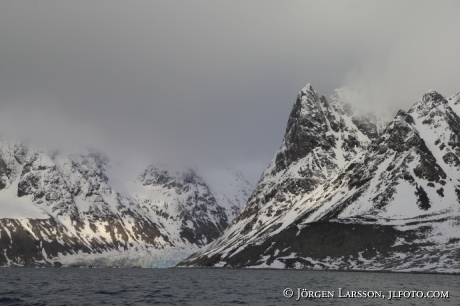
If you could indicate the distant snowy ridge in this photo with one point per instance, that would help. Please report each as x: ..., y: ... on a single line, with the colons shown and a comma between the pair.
x: 348, y: 191
x: 58, y: 208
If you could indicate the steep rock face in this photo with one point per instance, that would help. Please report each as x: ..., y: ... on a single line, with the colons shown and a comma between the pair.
x: 182, y: 203
x: 405, y: 163
x: 394, y: 206
x: 65, y: 205
x: 59, y: 208
x: 321, y: 137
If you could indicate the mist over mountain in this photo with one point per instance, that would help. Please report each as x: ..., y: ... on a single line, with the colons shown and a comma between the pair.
x: 208, y: 83
x: 205, y: 86
x: 352, y: 191
x: 75, y: 209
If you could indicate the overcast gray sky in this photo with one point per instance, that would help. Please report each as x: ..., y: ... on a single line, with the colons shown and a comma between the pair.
x: 208, y: 82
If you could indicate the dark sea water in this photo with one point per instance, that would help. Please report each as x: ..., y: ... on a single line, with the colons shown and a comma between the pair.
x: 212, y: 287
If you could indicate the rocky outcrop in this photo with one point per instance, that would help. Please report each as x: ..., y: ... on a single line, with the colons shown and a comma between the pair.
x: 392, y: 205
x: 59, y: 208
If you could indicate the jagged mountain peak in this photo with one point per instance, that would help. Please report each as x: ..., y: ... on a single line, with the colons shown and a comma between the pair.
x: 430, y: 100
x: 320, y: 139
x: 306, y: 125
x: 162, y: 174
x: 187, y: 207
x: 433, y: 96
x: 316, y: 122
x: 416, y: 151
x: 393, y: 205
x: 307, y: 89
x: 73, y: 207
x: 222, y: 188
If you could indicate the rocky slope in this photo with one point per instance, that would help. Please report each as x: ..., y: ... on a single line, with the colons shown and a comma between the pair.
x: 58, y: 208
x: 391, y: 203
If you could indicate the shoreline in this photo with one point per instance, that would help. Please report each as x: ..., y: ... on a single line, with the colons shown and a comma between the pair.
x: 325, y: 270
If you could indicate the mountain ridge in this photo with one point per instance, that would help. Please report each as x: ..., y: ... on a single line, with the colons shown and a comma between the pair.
x: 369, y: 195
x: 62, y: 209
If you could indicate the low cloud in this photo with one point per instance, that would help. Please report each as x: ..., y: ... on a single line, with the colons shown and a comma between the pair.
x: 208, y: 83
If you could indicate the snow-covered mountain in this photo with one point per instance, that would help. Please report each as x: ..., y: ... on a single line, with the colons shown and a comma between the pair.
x: 182, y: 203
x: 346, y: 191
x: 58, y: 208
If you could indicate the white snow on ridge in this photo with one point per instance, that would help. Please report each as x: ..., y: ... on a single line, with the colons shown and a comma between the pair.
x: 91, y: 201
x: 408, y: 179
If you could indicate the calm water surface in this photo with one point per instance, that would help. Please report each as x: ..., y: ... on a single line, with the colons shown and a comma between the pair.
x: 211, y: 287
